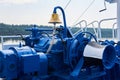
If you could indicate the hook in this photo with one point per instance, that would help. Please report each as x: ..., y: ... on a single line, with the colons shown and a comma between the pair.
x: 104, y: 8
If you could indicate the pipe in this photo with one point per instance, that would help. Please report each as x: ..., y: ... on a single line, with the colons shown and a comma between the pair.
x: 64, y: 19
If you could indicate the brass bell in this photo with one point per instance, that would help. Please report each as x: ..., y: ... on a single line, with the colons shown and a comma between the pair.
x: 55, y: 19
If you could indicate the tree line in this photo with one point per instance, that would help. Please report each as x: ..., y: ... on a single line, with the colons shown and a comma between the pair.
x: 7, y: 29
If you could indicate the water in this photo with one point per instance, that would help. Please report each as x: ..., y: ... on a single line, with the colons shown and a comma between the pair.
x: 10, y: 43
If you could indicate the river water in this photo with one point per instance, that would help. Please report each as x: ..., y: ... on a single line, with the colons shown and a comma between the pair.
x: 10, y: 43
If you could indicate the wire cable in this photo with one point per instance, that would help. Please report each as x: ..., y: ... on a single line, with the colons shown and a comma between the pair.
x: 84, y: 12
x: 67, y: 4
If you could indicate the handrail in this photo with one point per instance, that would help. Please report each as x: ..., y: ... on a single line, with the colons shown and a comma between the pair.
x: 81, y: 29
x: 81, y: 22
x: 113, y: 30
x: 98, y: 31
x: 99, y: 26
x: 86, y: 26
x: 92, y: 23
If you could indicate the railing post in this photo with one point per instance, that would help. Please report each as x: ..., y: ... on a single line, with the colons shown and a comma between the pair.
x: 99, y: 26
x: 113, y: 31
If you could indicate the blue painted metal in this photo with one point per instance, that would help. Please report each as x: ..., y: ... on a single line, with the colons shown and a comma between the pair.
x: 113, y: 73
x: 64, y: 19
x: 65, y: 60
x: 22, y: 62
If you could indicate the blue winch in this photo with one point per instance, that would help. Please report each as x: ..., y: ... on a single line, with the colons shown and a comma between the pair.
x: 58, y: 56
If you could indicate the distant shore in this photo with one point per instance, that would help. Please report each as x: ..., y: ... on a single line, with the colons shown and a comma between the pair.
x: 7, y: 29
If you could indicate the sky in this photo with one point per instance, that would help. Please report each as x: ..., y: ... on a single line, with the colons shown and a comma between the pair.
x: 39, y: 11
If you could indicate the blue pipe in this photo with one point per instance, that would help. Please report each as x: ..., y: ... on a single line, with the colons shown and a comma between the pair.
x: 64, y: 19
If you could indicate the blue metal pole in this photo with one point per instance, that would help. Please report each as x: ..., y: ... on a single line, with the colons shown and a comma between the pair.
x: 64, y: 19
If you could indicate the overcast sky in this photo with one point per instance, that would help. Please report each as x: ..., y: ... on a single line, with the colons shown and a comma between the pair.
x: 39, y: 11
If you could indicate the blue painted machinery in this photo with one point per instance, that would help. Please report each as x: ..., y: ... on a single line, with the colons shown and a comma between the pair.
x: 59, y: 56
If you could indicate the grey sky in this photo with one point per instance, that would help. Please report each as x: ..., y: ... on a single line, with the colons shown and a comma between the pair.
x: 39, y: 11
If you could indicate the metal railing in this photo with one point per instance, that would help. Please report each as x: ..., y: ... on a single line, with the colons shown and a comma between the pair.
x: 99, y: 26
x: 96, y: 29
x: 82, y: 28
x: 113, y: 31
